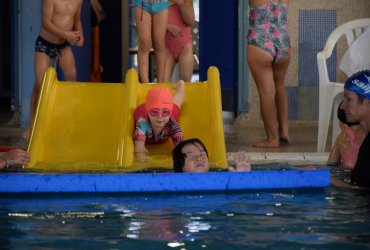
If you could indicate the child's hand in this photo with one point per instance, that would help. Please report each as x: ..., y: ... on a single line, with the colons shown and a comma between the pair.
x: 141, y: 157
x: 74, y: 37
x: 80, y: 41
x: 174, y: 30
x: 241, y: 162
x: 16, y: 157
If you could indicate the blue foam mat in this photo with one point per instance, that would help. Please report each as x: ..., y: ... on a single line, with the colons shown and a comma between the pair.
x: 162, y: 182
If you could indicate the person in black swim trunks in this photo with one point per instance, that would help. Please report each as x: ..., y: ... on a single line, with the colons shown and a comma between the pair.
x: 61, y: 27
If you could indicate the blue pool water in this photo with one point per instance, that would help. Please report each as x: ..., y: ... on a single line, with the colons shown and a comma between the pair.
x: 330, y: 218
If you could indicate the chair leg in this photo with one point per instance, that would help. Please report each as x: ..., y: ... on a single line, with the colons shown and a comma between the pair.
x: 325, y: 107
x: 335, y: 131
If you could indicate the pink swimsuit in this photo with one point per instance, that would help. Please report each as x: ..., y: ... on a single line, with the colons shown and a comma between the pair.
x: 349, y: 156
x: 175, y: 44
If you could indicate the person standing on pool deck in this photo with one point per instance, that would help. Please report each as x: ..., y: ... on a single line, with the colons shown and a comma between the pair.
x: 268, y: 54
x: 151, y: 21
x: 179, y: 40
x: 61, y: 27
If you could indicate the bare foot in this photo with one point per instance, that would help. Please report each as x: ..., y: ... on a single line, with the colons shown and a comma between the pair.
x: 284, y: 136
x: 285, y: 139
x: 266, y: 144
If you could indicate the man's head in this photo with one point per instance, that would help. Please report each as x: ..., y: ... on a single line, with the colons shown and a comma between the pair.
x: 356, y: 101
x: 190, y: 156
x: 343, y: 119
x: 359, y: 83
x: 159, y: 105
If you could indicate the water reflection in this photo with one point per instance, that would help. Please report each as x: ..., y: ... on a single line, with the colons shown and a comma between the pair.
x: 301, y: 218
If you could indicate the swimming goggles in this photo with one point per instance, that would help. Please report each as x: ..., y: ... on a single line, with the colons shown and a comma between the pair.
x: 157, y: 112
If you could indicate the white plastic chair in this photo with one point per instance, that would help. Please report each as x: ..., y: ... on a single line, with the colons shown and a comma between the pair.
x: 330, y: 92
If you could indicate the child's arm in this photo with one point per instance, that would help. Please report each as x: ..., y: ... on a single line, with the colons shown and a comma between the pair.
x: 47, y: 23
x: 176, y: 132
x: 140, y: 151
x: 187, y: 11
x: 139, y: 142
x: 78, y: 26
x: 140, y: 147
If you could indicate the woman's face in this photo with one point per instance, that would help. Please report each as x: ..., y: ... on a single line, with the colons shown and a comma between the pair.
x: 196, y: 159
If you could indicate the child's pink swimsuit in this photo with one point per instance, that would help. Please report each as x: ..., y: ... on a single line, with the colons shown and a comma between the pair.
x: 175, y: 44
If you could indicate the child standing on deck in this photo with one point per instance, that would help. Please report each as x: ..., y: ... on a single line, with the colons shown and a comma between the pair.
x: 156, y: 120
x: 179, y: 41
x: 268, y: 54
x: 61, y: 27
x: 151, y: 22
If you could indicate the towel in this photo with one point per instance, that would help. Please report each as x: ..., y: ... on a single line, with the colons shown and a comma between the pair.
x: 357, y: 57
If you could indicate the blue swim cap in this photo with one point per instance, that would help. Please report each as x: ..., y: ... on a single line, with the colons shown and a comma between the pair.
x: 359, y: 83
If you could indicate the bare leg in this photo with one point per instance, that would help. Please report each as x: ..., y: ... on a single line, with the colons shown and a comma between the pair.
x: 281, y: 100
x: 68, y: 65
x: 178, y: 97
x: 41, y: 62
x: 260, y: 64
x: 144, y: 31
x: 186, y: 63
x: 159, y: 42
x: 170, y: 65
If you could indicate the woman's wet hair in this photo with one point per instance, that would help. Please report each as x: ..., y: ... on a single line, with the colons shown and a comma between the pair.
x: 179, y: 158
x: 342, y: 117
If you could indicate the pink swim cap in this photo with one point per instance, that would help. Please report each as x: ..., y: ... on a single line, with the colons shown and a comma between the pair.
x: 159, y: 97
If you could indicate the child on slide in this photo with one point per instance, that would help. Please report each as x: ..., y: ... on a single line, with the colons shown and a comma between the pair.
x: 156, y: 120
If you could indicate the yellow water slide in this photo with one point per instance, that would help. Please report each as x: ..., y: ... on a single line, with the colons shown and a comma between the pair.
x: 89, y: 126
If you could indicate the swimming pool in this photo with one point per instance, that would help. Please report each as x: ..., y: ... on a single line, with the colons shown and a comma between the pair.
x: 277, y: 219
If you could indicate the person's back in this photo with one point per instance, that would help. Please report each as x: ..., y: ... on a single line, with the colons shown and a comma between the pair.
x: 268, y: 56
